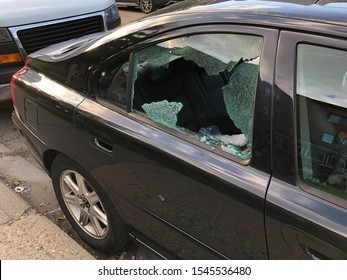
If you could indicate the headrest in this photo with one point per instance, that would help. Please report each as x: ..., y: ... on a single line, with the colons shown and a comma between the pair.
x: 155, y: 73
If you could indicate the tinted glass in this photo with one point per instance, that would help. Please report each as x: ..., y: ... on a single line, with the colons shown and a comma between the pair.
x: 322, y: 118
x: 111, y: 84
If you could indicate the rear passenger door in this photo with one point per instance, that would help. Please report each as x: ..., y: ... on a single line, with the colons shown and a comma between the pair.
x: 180, y: 138
x: 306, y: 209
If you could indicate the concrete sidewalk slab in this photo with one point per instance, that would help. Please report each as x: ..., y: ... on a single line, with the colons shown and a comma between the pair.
x: 15, y: 165
x: 26, y: 235
x: 37, y: 185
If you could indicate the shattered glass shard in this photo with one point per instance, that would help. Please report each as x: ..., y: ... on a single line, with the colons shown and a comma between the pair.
x: 239, y: 97
x: 155, y: 55
x: 244, y: 154
x: 239, y: 140
x: 235, y: 150
x: 233, y: 144
x: 163, y: 112
x: 215, y: 136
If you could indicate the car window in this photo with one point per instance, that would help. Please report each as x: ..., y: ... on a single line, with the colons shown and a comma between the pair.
x: 321, y: 89
x: 111, y: 84
x: 203, y: 86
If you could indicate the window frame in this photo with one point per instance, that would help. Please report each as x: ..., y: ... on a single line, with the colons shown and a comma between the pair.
x: 269, y: 37
x: 118, y: 62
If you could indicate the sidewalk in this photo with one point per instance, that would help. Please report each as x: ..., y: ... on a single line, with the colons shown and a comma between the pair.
x: 24, y: 233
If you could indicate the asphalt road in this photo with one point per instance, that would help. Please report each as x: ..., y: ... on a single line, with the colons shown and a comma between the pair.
x: 40, y: 194
x: 130, y: 14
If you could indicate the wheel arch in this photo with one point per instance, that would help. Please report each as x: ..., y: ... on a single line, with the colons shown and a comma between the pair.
x: 48, y: 157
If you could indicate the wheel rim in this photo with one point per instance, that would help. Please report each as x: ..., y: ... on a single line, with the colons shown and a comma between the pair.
x: 83, y: 204
x: 147, y: 5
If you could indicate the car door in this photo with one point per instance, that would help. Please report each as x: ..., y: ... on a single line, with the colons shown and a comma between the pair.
x: 153, y: 150
x: 306, y: 209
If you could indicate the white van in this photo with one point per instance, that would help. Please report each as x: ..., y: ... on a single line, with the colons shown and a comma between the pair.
x: 27, y: 26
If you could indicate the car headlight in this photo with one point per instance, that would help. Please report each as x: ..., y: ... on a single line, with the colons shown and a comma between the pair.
x: 112, y: 17
x: 9, y: 53
x: 5, y: 35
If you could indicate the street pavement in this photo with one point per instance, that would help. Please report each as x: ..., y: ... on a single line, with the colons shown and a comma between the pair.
x: 24, y: 233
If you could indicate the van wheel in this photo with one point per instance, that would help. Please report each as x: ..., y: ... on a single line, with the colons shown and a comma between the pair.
x: 147, y: 6
x: 87, y: 207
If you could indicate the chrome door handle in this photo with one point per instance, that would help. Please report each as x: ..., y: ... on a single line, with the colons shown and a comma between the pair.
x: 107, y: 147
x: 313, y: 254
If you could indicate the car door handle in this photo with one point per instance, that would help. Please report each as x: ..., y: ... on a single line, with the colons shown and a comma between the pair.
x: 313, y: 254
x: 105, y: 146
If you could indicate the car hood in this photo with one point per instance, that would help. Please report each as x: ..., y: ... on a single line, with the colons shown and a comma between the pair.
x: 21, y: 12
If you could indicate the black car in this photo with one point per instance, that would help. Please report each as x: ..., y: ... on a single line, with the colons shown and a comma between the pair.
x: 215, y: 131
x: 146, y: 6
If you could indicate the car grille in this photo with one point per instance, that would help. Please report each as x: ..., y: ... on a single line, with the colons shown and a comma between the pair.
x: 36, y: 38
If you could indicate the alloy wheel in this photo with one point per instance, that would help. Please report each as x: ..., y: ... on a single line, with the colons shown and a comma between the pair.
x: 83, y: 204
x: 147, y: 6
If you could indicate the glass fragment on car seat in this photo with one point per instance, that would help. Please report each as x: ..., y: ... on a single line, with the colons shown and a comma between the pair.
x: 214, y: 133
x: 234, y: 144
x: 163, y: 112
x: 243, y: 153
x: 237, y: 139
x: 239, y: 97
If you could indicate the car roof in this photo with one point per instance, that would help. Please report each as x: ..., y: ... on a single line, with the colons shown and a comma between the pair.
x: 323, y: 11
x: 322, y: 16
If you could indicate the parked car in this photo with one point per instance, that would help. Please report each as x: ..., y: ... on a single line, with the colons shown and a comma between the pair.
x: 146, y: 6
x: 26, y: 26
x: 215, y: 131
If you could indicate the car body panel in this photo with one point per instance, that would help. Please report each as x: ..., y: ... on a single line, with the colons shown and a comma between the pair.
x: 302, y: 226
x: 174, y: 193
x: 153, y: 189
x: 309, y: 227
x: 42, y: 123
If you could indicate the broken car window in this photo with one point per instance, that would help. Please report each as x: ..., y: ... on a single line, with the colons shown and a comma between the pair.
x: 203, y: 86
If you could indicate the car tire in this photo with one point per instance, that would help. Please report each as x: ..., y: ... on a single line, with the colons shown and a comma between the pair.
x: 87, y: 207
x: 147, y: 6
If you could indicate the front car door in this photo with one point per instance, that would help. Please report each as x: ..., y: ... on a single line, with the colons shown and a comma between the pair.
x: 162, y: 140
x: 306, y: 210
